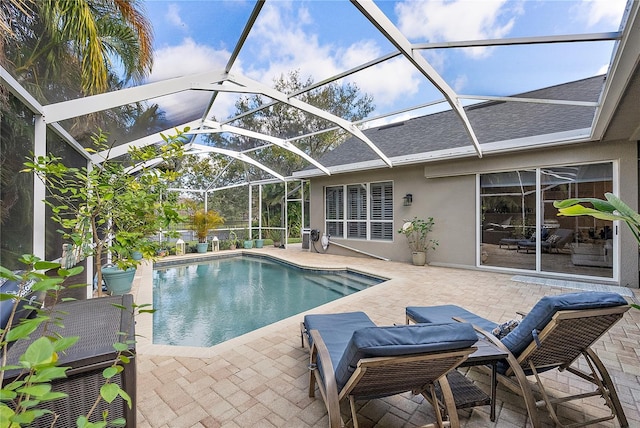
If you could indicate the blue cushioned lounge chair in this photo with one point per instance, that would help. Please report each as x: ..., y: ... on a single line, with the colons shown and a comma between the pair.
x: 351, y: 357
x: 553, y: 335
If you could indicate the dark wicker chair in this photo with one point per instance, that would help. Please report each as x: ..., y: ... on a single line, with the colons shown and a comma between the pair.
x: 553, y: 335
x: 350, y: 357
x: 99, y: 323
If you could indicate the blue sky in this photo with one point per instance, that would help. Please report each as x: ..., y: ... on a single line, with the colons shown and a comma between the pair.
x: 323, y: 38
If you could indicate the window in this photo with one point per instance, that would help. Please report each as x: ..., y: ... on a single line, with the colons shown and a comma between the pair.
x: 335, y: 211
x: 365, y: 213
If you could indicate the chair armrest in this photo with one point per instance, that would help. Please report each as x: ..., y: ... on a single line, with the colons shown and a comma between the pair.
x: 327, y: 381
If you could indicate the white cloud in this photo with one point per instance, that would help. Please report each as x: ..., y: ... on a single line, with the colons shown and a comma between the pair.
x: 188, y: 57
x: 604, y: 69
x: 281, y: 42
x: 460, y: 82
x: 185, y: 59
x: 603, y: 11
x: 442, y: 20
x: 173, y: 17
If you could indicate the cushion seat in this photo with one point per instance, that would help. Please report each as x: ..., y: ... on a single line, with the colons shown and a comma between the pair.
x: 446, y: 313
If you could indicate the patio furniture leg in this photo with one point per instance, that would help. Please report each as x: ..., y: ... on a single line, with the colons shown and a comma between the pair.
x: 354, y: 416
x: 449, y: 404
x: 609, y: 387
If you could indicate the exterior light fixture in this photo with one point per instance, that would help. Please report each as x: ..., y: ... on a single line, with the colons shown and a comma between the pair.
x: 408, y: 199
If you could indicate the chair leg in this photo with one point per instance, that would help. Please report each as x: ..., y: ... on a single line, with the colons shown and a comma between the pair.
x: 449, y: 403
x: 354, y: 416
x: 545, y: 397
x: 608, y: 385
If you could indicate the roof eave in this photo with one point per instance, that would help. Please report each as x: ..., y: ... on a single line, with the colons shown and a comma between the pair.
x: 623, y: 64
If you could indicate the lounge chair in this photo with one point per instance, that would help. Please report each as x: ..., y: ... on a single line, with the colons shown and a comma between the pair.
x: 556, y: 331
x: 555, y: 240
x: 351, y: 357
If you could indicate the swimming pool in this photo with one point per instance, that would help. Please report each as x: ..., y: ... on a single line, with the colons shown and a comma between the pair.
x: 209, y: 302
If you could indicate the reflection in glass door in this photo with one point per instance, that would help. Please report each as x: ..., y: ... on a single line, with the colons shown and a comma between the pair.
x: 508, y: 218
x: 512, y: 238
x: 576, y: 245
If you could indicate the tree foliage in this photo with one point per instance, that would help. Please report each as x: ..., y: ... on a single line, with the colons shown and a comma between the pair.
x: 283, y: 121
x: 111, y: 205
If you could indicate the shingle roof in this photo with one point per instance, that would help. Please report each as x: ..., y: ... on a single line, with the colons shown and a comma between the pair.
x: 492, y: 122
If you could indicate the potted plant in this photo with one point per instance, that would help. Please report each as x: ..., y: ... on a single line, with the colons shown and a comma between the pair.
x: 417, y: 234
x: 275, y: 236
x: 248, y: 242
x: 233, y: 240
x: 201, y: 222
x: 114, y: 206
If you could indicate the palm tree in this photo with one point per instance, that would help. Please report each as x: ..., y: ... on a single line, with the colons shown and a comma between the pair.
x: 83, y: 35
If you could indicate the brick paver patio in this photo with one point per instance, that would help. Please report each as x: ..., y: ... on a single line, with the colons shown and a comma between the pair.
x: 260, y: 379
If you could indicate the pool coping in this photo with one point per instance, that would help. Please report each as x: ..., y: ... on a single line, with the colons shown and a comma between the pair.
x: 160, y: 264
x: 143, y: 293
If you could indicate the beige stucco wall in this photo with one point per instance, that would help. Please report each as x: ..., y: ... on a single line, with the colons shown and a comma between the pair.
x: 447, y: 192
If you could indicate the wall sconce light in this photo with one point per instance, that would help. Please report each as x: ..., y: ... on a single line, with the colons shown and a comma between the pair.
x: 408, y: 199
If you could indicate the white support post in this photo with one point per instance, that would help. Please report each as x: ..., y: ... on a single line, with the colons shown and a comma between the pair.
x: 39, y: 190
x: 302, y: 202
x: 248, y: 238
x: 260, y: 211
x: 286, y: 217
x: 90, y: 260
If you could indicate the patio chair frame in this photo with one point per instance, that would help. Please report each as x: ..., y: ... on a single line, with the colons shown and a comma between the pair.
x: 564, y: 339
x: 385, y: 376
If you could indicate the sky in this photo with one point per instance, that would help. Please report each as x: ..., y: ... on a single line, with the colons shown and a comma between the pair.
x: 323, y: 38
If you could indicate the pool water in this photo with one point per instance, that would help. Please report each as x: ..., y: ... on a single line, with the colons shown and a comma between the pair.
x: 208, y: 303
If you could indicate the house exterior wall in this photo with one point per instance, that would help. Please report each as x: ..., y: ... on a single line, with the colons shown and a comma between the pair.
x: 447, y: 192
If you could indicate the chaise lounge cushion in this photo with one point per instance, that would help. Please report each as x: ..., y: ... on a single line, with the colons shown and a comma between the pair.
x: 401, y: 340
x: 539, y: 316
x: 543, y: 311
x: 445, y: 313
x: 336, y: 330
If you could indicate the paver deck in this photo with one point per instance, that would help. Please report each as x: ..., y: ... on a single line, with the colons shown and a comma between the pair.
x: 260, y: 379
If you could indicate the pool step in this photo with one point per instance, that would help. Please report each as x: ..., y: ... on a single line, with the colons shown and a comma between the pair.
x: 337, y: 284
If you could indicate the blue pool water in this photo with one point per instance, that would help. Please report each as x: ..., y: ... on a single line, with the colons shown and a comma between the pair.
x: 216, y: 300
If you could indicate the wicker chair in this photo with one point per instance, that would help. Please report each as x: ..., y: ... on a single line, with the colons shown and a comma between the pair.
x: 350, y: 357
x: 553, y: 335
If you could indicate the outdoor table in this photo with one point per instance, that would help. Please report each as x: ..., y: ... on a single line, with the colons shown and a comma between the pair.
x: 465, y: 393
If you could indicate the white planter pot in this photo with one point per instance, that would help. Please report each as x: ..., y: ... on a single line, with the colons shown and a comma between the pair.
x: 419, y: 258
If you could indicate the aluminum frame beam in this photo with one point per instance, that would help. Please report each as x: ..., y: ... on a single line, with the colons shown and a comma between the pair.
x: 91, y: 104
x: 199, y: 148
x: 122, y: 149
x: 216, y: 127
x: 287, y: 99
x: 391, y: 32
x: 566, y: 38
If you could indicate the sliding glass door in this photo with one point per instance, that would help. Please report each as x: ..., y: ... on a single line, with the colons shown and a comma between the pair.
x: 521, y: 229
